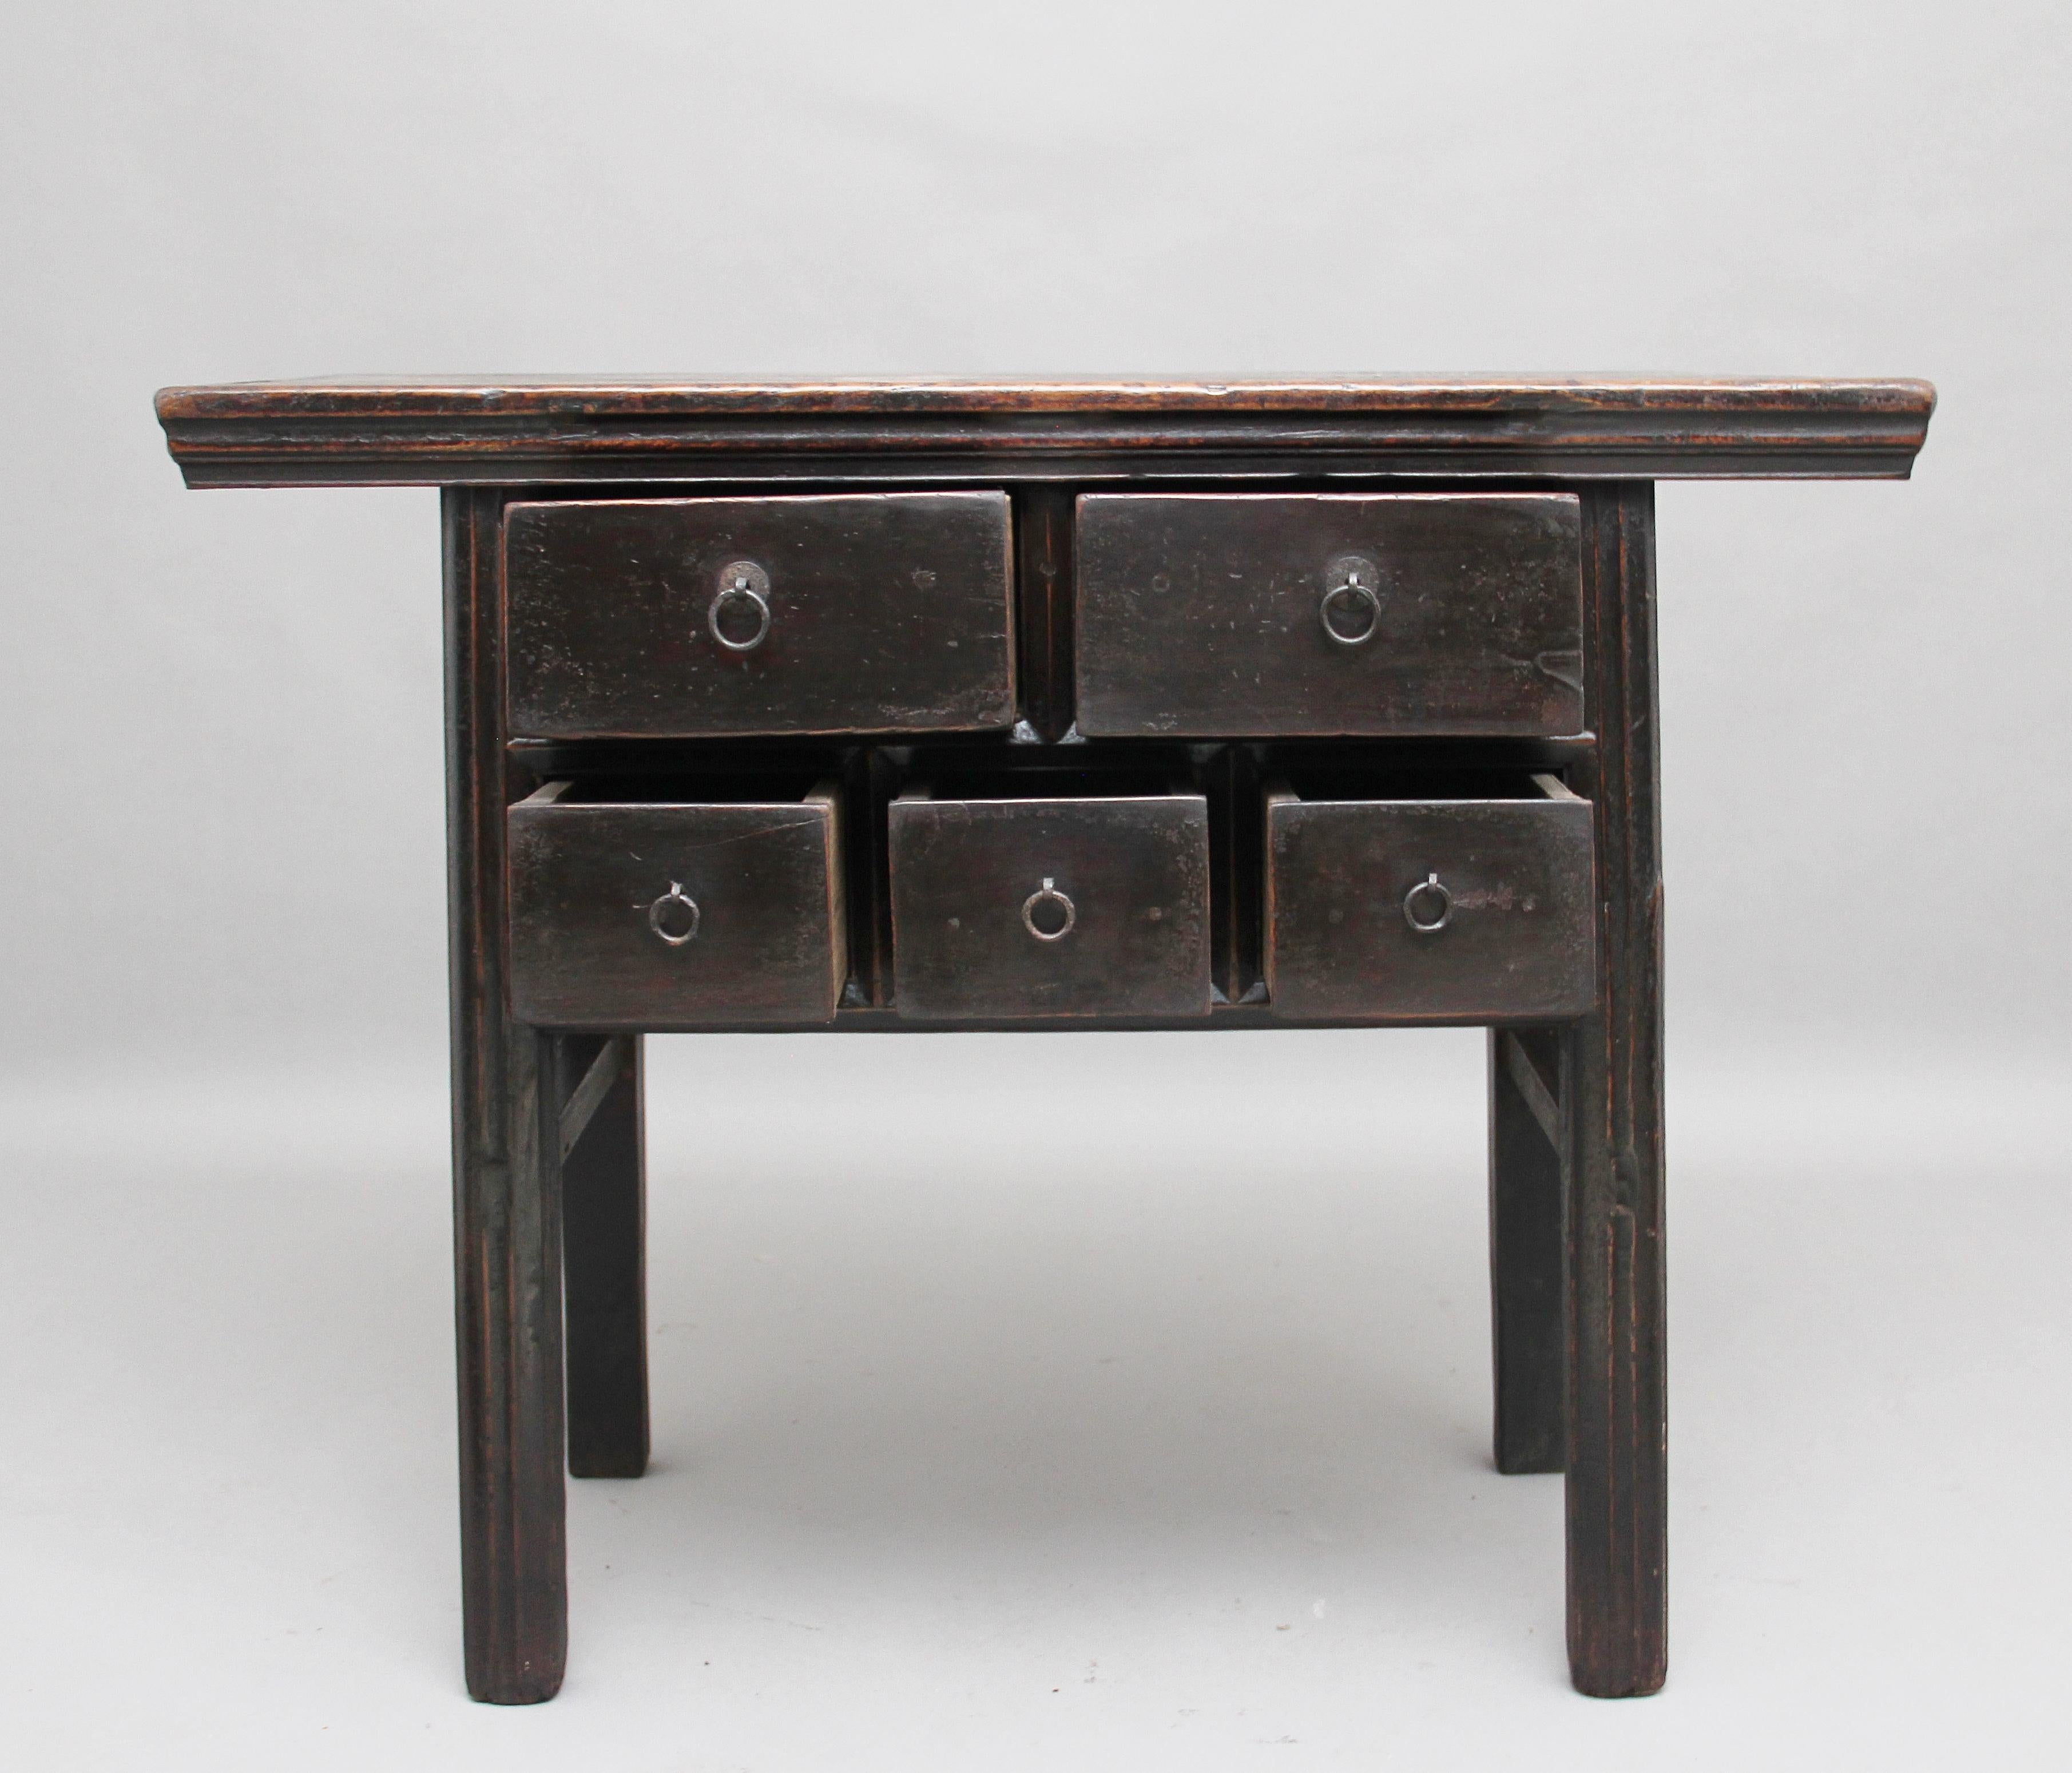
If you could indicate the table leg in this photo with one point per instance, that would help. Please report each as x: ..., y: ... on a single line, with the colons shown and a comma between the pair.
x: 507, y: 1212
x: 1527, y: 1242
x: 1611, y: 1094
x: 604, y: 1261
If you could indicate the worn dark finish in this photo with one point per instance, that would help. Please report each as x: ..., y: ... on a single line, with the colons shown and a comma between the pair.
x: 1221, y: 1018
x: 1048, y: 906
x: 604, y: 1209
x: 506, y: 1209
x: 1611, y: 1096
x: 1527, y: 1241
x: 1466, y: 900
x: 723, y: 625
x: 629, y: 909
x: 664, y: 617
x: 521, y: 431
x: 1401, y: 613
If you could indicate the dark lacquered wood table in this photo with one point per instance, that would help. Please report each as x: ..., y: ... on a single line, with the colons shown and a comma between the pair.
x: 906, y: 705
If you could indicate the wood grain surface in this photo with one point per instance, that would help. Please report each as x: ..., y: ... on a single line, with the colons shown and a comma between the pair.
x: 1134, y: 870
x: 527, y: 431
x: 1205, y: 614
x: 590, y: 878
x: 1514, y: 937
x: 886, y: 613
x: 1611, y: 1099
x: 506, y: 1176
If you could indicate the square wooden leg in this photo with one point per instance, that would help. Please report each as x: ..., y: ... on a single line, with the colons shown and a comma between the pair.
x: 1528, y: 1244
x: 604, y: 1262
x: 507, y: 1299
x: 1611, y: 1098
x: 506, y: 1209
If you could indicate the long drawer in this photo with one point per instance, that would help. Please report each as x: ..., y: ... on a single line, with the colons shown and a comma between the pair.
x: 1316, y: 614
x: 638, y: 905
x: 1433, y: 899
x: 661, y: 617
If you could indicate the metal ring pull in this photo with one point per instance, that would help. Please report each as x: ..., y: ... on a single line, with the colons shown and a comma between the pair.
x: 744, y: 580
x: 659, y: 911
x: 1427, y: 888
x: 1356, y: 594
x: 1048, y: 891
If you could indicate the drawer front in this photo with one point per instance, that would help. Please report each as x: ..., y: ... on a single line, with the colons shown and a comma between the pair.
x: 1050, y: 908
x: 683, y: 617
x: 1317, y: 614
x: 632, y: 915
x: 1356, y: 926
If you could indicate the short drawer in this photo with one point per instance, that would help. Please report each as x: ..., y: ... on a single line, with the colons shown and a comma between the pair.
x: 660, y: 618
x: 644, y: 905
x: 1208, y: 615
x: 1468, y: 899
x: 1030, y: 902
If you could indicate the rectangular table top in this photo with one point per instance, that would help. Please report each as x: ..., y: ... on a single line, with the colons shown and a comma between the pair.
x: 375, y: 430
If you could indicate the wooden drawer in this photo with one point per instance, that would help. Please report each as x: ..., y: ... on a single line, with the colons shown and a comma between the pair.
x: 680, y: 617
x: 1204, y: 614
x: 639, y: 905
x: 1466, y: 900
x: 1035, y: 901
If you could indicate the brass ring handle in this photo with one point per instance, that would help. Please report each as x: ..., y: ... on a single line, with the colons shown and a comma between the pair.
x: 1048, y: 891
x: 746, y: 582
x: 659, y: 912
x: 1427, y: 888
x: 1356, y: 595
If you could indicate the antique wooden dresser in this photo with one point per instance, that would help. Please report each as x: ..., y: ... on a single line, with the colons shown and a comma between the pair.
x: 876, y: 704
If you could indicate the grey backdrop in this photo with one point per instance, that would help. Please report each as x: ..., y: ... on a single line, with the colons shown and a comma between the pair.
x: 224, y: 872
